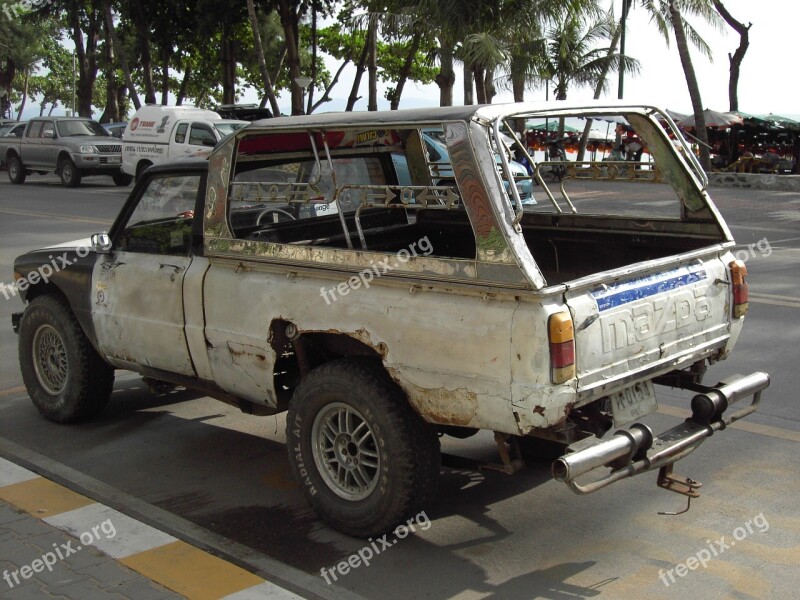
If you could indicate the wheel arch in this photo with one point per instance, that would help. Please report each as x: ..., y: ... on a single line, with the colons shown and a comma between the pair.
x: 298, y: 352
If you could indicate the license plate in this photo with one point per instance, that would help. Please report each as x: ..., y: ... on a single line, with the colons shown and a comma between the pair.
x: 633, y: 402
x: 114, y: 159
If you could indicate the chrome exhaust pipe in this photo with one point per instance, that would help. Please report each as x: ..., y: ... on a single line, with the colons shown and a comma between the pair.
x: 625, y: 444
x: 636, y: 450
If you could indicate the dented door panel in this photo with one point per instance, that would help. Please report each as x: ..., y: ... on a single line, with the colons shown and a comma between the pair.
x: 137, y: 308
x: 447, y: 350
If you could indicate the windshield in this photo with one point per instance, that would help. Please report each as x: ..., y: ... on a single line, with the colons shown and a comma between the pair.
x: 228, y: 128
x: 83, y: 128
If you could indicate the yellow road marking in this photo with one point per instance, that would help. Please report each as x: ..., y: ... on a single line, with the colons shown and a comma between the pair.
x: 191, y: 572
x: 776, y: 432
x: 13, y: 390
x: 43, y: 498
x: 41, y: 215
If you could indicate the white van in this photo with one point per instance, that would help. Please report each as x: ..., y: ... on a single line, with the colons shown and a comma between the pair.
x: 159, y: 133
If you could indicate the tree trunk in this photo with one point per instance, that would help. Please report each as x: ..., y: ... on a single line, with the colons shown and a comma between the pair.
x: 406, y: 70
x: 737, y: 57
x: 372, y: 64
x: 111, y: 40
x: 518, y: 89
x: 86, y: 54
x: 111, y: 112
x: 24, y: 95
x: 598, y: 89
x: 122, y: 102
x: 480, y: 89
x: 184, y: 89
x: 446, y: 78
x: 360, y: 68
x: 488, y: 85
x: 165, y: 56
x: 289, y: 21
x: 314, y: 52
x: 326, y: 96
x: 469, y: 86
x: 269, y: 91
x: 142, y: 28
x: 228, y: 70
x: 691, y: 82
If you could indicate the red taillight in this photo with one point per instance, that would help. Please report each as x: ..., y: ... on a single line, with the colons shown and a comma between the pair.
x: 562, y: 347
x: 741, y: 291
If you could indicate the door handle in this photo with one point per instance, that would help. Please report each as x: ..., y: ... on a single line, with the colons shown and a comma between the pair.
x: 175, y: 269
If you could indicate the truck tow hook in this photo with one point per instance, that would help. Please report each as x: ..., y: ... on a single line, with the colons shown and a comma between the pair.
x: 680, y: 485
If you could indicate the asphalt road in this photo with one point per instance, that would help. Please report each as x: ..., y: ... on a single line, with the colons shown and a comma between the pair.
x: 487, y: 535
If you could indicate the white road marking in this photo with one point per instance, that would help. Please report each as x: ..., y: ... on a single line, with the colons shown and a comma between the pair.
x: 263, y: 591
x: 11, y: 473
x: 130, y: 536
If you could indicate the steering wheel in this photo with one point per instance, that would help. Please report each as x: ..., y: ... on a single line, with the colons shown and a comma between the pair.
x: 279, y: 211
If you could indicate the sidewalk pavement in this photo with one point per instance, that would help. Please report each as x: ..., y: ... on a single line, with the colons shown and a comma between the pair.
x: 56, y: 543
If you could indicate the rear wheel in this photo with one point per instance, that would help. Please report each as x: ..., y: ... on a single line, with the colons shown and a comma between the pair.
x: 70, y: 174
x: 16, y: 172
x: 65, y: 377
x: 122, y: 179
x: 142, y: 167
x: 365, y: 459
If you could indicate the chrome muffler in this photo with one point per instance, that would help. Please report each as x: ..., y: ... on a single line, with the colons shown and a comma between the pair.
x: 636, y: 450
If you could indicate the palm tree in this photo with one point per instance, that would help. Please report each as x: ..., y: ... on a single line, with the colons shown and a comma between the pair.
x: 573, y: 56
x: 668, y: 15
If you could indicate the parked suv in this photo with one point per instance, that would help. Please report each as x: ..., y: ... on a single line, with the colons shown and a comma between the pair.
x: 73, y: 147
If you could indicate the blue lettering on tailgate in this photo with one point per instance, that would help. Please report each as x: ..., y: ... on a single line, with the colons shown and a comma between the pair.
x: 632, y: 290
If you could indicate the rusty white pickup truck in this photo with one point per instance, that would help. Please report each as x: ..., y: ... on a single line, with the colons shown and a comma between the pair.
x: 321, y: 265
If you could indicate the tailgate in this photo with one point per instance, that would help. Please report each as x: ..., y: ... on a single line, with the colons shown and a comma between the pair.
x: 649, y: 324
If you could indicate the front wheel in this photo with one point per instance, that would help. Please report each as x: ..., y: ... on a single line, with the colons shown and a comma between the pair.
x: 70, y: 174
x: 16, y: 171
x: 365, y: 459
x: 65, y: 377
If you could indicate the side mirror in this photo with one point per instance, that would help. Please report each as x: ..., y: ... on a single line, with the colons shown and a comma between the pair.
x: 209, y: 142
x: 101, y: 243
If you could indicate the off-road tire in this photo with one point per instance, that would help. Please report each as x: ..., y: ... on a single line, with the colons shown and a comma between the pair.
x: 408, y: 448
x: 69, y: 173
x: 122, y: 179
x: 16, y: 170
x: 72, y: 382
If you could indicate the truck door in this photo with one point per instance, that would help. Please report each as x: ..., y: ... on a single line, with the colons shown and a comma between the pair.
x: 138, y: 288
x: 201, y: 138
x: 177, y: 145
x: 48, y: 150
x: 31, y: 145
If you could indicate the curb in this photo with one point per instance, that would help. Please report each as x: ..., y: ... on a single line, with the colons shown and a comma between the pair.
x: 273, y: 574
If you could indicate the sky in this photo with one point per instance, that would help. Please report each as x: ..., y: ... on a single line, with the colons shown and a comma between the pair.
x: 768, y: 82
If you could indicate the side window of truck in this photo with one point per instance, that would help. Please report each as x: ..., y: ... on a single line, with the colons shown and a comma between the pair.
x: 180, y: 133
x: 201, y: 135
x: 36, y: 129
x: 161, y: 223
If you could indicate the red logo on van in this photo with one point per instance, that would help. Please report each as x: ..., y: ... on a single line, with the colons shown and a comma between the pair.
x: 134, y: 124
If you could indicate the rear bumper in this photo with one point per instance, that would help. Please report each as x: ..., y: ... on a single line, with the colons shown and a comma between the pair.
x: 636, y: 450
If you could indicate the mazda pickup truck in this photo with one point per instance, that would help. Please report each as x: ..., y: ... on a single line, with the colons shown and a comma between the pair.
x: 72, y: 147
x: 319, y: 265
